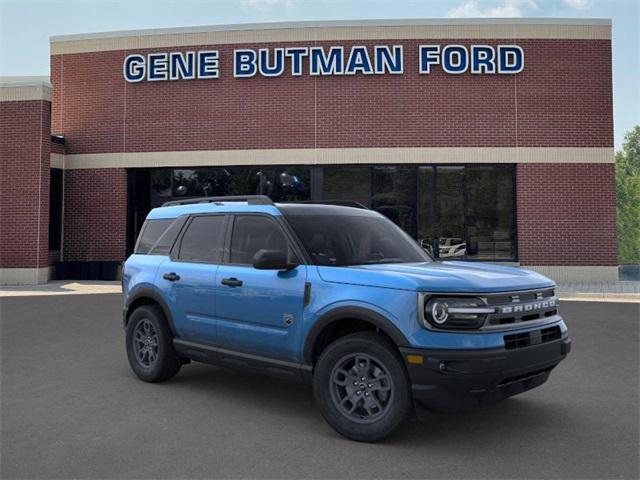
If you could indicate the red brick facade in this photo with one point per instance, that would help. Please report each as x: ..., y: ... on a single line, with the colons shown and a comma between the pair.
x: 562, y: 98
x: 24, y: 191
x: 566, y: 214
x: 95, y: 214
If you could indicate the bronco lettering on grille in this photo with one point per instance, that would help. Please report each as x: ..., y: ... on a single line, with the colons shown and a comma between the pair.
x: 528, y: 307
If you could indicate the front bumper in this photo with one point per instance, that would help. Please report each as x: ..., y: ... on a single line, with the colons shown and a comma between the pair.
x: 450, y: 379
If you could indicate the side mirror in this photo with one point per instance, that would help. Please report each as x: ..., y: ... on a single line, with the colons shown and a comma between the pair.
x: 272, y: 260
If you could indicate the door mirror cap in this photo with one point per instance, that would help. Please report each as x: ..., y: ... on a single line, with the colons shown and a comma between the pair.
x: 272, y: 260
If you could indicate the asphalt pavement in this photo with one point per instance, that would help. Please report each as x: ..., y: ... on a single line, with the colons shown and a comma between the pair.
x: 72, y: 408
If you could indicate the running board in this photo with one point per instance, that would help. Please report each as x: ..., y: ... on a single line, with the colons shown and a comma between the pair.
x: 199, y: 352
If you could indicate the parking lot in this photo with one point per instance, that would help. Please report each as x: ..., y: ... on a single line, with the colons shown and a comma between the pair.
x: 71, y: 408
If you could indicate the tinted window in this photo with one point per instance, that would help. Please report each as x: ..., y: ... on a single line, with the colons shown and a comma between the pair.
x: 151, y: 232
x: 340, y: 240
x: 467, y: 211
x: 393, y: 193
x: 348, y: 183
x: 285, y: 184
x: 490, y: 207
x: 253, y: 233
x: 204, y: 239
x: 166, y: 240
x: 55, y: 209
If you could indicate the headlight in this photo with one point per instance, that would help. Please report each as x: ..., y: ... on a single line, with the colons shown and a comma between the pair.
x: 455, y: 312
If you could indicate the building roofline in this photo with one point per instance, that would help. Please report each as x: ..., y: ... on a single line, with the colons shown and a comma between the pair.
x: 24, y: 81
x: 333, y: 24
x: 18, y: 89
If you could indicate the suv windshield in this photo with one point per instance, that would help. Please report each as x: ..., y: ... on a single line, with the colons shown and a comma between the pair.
x: 342, y: 240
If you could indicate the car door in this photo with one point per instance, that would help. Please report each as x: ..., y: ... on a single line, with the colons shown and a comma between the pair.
x: 259, y: 311
x: 188, y: 278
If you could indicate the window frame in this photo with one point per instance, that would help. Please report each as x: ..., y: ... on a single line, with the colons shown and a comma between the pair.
x: 174, y: 254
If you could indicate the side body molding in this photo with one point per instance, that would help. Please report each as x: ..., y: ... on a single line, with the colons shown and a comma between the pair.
x: 351, y: 313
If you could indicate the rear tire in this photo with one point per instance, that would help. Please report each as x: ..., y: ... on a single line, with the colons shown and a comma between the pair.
x: 361, y: 387
x: 150, y: 345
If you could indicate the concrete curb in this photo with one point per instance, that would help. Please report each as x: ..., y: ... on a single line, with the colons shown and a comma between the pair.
x: 61, y: 288
x: 600, y: 297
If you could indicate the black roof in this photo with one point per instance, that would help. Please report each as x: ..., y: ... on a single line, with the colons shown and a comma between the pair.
x: 323, y: 209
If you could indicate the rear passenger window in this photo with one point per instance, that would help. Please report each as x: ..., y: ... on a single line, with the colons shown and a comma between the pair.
x: 151, y: 232
x: 253, y: 233
x: 166, y: 240
x: 203, y: 239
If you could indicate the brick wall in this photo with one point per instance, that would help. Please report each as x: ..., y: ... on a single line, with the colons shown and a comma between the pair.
x: 562, y: 98
x: 95, y: 211
x: 57, y: 148
x: 24, y: 187
x: 566, y: 214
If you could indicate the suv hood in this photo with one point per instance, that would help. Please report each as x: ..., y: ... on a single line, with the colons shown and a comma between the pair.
x: 469, y: 277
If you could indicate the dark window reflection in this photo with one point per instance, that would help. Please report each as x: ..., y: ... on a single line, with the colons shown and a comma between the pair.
x: 216, y: 181
x: 279, y: 183
x: 393, y: 191
x: 490, y: 229
x: 449, y: 228
x: 161, y: 186
x: 466, y: 212
x: 455, y: 212
x: 426, y: 208
x: 55, y: 209
x: 286, y: 184
x: 348, y: 183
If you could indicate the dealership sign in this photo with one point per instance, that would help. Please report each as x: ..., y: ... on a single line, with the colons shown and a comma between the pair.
x: 325, y: 61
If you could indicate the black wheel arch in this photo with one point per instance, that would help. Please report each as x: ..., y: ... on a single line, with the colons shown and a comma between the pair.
x: 351, y: 313
x: 146, y: 296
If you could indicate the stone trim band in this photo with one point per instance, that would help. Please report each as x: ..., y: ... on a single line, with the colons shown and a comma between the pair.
x: 337, y: 156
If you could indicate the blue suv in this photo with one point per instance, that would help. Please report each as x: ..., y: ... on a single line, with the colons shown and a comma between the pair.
x: 339, y: 297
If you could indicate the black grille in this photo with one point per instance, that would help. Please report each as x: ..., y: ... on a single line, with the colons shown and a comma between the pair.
x: 523, y: 377
x: 551, y: 333
x: 521, y: 340
x: 517, y: 307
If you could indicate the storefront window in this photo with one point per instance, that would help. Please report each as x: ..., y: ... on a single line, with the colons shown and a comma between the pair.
x: 348, y: 183
x: 489, y: 191
x: 286, y: 184
x: 454, y: 211
x: 55, y: 209
x: 161, y: 186
x: 450, y: 213
x: 426, y: 208
x: 466, y: 212
x: 393, y: 193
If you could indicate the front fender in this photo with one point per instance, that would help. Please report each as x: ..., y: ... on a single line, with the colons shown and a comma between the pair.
x: 364, y: 312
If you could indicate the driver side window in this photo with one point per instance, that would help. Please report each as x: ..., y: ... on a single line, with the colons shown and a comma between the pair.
x: 252, y: 233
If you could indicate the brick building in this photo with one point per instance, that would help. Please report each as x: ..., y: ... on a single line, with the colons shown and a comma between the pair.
x: 486, y: 140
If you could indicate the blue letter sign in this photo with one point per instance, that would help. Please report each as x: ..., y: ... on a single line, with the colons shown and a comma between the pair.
x: 325, y: 61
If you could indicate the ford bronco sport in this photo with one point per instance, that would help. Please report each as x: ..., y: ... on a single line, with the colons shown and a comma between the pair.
x: 339, y: 297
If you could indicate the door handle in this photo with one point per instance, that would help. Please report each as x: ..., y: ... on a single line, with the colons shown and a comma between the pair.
x: 231, y: 282
x: 172, y: 277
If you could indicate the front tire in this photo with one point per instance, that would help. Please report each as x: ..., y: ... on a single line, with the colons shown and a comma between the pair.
x: 150, y: 345
x: 361, y: 387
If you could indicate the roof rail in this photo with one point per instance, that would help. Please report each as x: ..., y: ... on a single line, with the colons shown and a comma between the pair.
x: 341, y: 203
x: 250, y: 199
